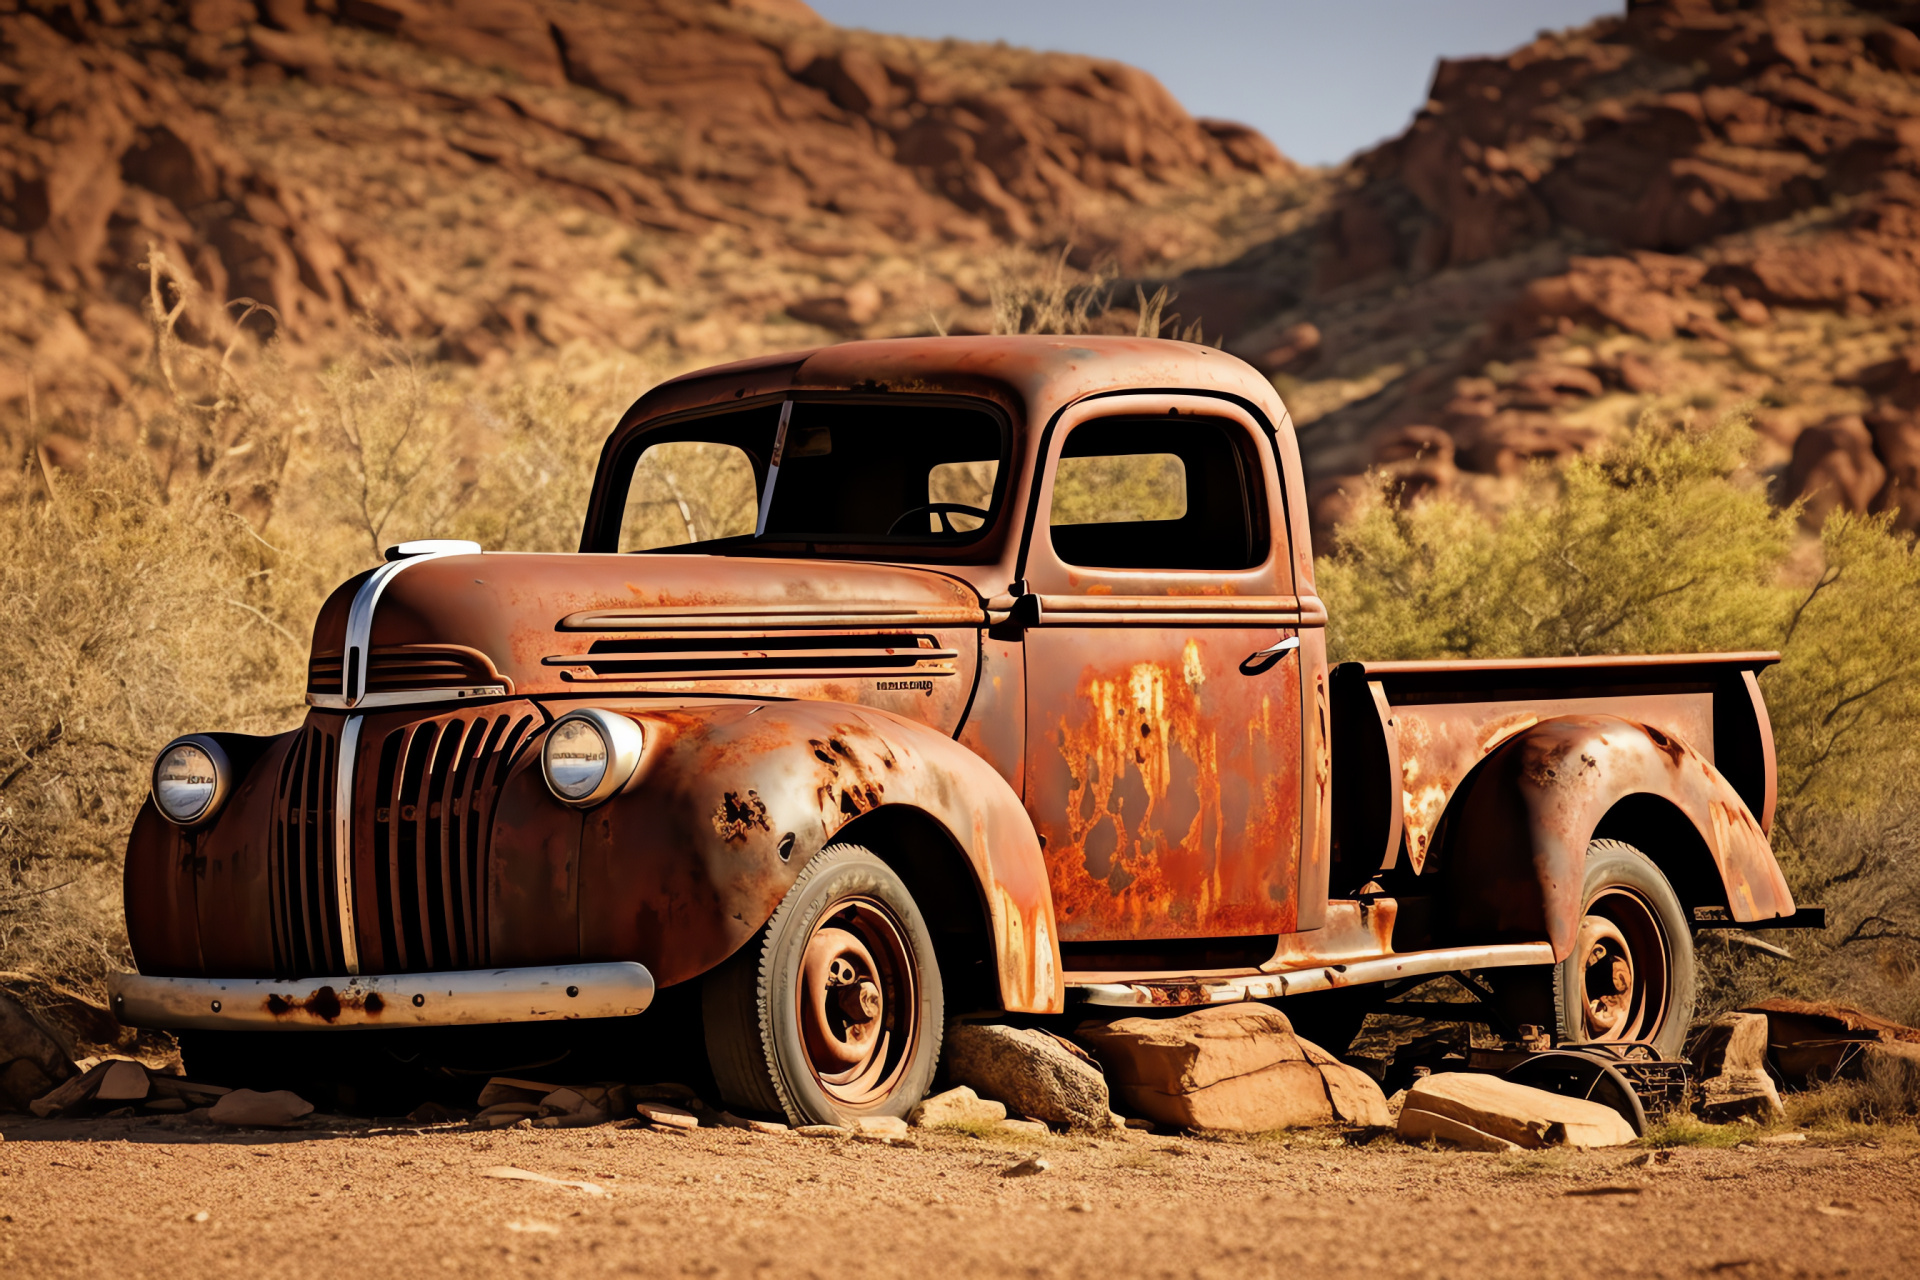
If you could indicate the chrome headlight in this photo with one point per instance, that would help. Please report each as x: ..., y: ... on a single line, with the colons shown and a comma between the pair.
x: 191, y: 778
x: 589, y: 755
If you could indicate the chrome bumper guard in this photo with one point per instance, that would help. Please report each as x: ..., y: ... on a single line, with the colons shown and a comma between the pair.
x: 475, y: 997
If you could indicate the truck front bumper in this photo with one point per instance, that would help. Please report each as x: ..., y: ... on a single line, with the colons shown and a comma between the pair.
x: 475, y: 997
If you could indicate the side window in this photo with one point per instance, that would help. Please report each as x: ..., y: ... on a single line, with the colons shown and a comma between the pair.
x: 1158, y: 493
x: 688, y: 491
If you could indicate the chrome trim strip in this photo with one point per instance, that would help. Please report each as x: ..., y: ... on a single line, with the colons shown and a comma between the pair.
x: 343, y: 840
x: 359, y: 641
x: 404, y: 697
x: 1325, y: 977
x: 749, y: 619
x: 473, y: 997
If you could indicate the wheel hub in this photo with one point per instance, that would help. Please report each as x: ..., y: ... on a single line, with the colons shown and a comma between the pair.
x: 1623, y: 968
x: 857, y: 1002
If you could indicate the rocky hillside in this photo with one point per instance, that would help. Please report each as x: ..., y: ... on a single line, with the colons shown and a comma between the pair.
x: 1691, y: 207
x: 670, y: 178
x: 1696, y: 206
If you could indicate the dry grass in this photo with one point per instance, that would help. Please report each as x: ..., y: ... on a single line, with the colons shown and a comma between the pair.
x: 168, y: 581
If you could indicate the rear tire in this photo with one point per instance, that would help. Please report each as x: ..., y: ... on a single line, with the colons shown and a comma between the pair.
x: 1631, y: 975
x: 834, y: 1010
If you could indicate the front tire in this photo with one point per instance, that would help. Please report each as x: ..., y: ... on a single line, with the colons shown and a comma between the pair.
x: 1631, y: 975
x: 834, y: 1010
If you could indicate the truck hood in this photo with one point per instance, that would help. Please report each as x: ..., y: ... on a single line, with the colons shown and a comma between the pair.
x: 446, y: 626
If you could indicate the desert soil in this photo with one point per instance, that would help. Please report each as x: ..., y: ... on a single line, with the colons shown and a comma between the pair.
x: 168, y: 1197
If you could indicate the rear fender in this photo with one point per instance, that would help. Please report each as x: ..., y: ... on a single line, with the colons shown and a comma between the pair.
x: 1514, y: 851
x: 685, y: 865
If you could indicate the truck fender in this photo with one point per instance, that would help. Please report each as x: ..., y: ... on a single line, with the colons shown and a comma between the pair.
x: 1516, y: 833
x: 683, y: 866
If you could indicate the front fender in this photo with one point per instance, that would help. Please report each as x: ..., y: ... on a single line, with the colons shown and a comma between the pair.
x: 684, y: 866
x: 1517, y: 833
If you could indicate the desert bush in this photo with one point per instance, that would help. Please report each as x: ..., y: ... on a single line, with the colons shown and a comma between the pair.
x: 164, y: 587
x: 1665, y: 542
x: 129, y: 619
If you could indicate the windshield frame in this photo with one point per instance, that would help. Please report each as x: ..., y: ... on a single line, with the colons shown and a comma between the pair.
x: 623, y: 453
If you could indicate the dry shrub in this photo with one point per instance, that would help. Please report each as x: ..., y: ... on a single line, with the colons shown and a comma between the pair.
x: 1665, y: 542
x: 170, y: 583
x: 1886, y: 1090
x: 129, y: 619
x: 1031, y: 296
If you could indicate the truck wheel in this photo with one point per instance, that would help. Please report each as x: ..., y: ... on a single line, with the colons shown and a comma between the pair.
x: 1631, y: 975
x: 834, y: 1010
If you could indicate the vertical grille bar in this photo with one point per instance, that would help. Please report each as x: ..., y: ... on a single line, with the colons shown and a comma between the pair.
x: 302, y: 870
x: 433, y: 847
x: 385, y: 838
x: 410, y: 802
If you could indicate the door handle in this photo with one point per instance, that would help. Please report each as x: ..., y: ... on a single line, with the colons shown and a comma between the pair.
x: 1262, y: 659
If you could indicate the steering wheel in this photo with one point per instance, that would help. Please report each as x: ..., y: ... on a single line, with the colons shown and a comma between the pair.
x: 941, y: 509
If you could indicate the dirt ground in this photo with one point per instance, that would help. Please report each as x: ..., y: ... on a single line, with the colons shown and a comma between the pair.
x: 172, y: 1197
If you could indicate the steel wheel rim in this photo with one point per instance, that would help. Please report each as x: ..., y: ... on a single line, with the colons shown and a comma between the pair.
x: 1622, y: 968
x: 858, y: 1002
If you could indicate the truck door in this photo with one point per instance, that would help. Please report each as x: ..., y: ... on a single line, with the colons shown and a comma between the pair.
x: 1163, y: 675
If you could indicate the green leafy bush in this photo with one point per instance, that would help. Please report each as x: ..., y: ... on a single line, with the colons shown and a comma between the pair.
x: 1665, y: 542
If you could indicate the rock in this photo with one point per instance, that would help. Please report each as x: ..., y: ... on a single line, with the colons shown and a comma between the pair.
x: 822, y: 1131
x: 249, y: 1109
x: 508, y: 1173
x: 507, y: 1089
x: 959, y: 1105
x: 1424, y: 1126
x: 1512, y: 1113
x: 662, y: 1116
x: 188, y: 1091
x: 1029, y: 1071
x: 768, y: 1126
x: 585, y: 1104
x: 36, y: 1058
x: 1027, y: 1168
x: 1015, y: 1124
x: 124, y: 1082
x: 1730, y: 1055
x: 71, y: 1093
x: 503, y: 1114
x: 881, y: 1126
x: 1237, y: 1068
x: 1833, y: 466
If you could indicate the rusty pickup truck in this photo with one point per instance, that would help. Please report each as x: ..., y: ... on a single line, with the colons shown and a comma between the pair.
x: 904, y: 680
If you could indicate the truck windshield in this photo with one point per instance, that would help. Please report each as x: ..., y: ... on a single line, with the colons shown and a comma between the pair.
x: 866, y: 473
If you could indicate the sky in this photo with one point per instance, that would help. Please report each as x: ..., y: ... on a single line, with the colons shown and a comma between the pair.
x: 1321, y: 78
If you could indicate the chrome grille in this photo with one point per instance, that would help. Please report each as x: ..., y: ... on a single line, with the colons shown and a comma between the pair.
x: 435, y: 789
x: 302, y: 873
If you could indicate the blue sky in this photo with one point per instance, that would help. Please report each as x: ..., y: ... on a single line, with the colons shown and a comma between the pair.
x: 1321, y: 78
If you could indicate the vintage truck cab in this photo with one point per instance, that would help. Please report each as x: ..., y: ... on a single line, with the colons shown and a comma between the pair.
x: 904, y: 679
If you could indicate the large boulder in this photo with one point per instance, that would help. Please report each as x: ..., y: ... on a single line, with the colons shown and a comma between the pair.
x: 1034, y: 1073
x: 1238, y: 1068
x: 33, y: 1056
x: 1486, y: 1113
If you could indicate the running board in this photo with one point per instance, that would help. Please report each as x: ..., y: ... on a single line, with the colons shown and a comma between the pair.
x: 1326, y: 977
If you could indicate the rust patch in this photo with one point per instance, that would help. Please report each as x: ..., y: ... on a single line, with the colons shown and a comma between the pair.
x: 326, y: 1004
x: 738, y: 816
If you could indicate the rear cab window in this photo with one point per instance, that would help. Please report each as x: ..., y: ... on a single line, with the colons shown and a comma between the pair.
x: 1158, y: 493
